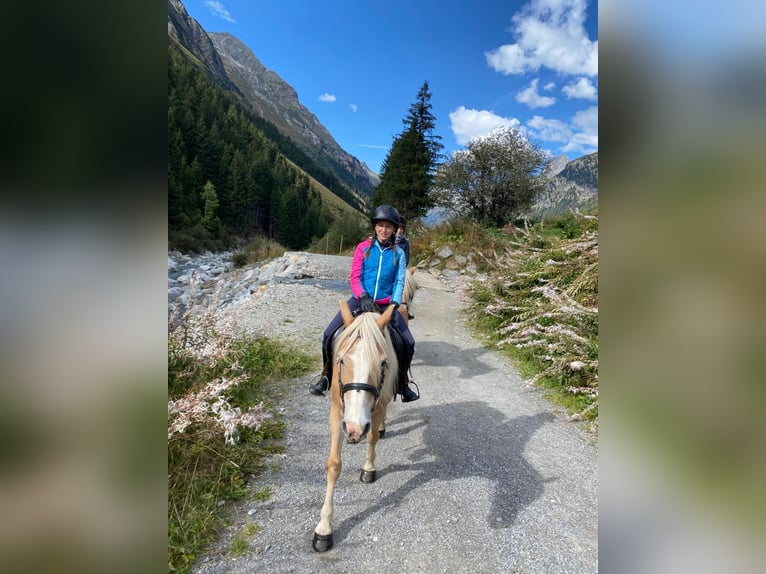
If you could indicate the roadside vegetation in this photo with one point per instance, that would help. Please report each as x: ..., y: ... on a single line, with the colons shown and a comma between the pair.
x: 534, y: 297
x: 537, y: 300
x: 222, y: 429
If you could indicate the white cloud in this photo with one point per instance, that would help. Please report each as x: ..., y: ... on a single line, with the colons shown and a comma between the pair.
x: 353, y: 107
x: 549, y: 129
x: 218, y: 9
x: 549, y: 86
x: 550, y: 34
x: 578, y: 136
x: 327, y: 97
x: 582, y: 89
x: 469, y: 124
x: 585, y: 136
x: 532, y: 98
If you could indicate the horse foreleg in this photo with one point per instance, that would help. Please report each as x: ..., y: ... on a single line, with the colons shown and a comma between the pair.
x: 323, y: 532
x: 378, y: 428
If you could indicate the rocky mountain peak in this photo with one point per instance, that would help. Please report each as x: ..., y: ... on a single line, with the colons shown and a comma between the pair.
x: 276, y: 101
x: 236, y: 68
x: 188, y: 33
x: 573, y: 185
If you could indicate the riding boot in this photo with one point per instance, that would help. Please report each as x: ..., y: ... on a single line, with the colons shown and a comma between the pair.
x: 322, y: 382
x: 403, y: 386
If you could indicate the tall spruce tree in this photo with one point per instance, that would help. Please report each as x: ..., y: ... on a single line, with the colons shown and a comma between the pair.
x: 408, y: 169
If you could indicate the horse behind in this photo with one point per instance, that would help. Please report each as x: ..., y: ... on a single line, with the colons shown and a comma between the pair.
x: 410, y: 286
x: 362, y: 385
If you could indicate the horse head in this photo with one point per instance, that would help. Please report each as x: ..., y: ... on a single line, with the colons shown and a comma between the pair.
x: 364, y: 369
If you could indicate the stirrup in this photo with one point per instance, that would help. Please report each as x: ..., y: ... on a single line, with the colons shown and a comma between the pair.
x: 407, y: 387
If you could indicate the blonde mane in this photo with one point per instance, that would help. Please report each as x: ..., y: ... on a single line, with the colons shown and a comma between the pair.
x: 373, y: 341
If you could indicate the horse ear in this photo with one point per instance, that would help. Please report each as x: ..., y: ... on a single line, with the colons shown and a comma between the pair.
x: 345, y: 312
x: 385, y: 317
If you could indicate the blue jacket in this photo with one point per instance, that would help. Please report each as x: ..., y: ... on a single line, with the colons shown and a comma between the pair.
x: 378, y: 271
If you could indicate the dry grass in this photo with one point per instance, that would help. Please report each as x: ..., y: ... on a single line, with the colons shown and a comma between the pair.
x: 539, y: 302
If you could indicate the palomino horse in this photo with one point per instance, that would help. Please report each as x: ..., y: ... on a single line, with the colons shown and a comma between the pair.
x: 410, y: 286
x: 363, y: 380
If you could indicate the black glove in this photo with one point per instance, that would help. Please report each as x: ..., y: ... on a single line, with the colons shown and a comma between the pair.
x: 395, y: 304
x: 368, y: 304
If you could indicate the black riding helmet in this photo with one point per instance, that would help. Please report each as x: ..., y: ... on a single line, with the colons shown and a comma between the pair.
x: 386, y: 213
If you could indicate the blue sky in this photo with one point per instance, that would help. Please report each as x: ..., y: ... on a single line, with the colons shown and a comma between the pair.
x: 358, y: 65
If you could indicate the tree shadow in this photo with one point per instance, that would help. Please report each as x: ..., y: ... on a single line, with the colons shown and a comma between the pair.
x: 450, y: 451
x: 440, y: 354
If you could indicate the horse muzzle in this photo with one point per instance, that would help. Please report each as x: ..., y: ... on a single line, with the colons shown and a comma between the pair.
x: 354, y: 431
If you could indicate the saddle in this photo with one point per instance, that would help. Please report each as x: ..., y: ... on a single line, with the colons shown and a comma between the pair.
x: 400, y: 345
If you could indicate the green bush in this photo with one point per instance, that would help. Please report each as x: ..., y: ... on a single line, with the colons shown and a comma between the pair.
x: 570, y: 225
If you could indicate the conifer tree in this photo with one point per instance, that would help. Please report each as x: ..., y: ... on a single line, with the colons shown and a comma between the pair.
x: 407, y: 171
x: 210, y: 198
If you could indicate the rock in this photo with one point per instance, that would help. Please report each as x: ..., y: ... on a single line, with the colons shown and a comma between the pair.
x: 576, y: 365
x: 445, y: 252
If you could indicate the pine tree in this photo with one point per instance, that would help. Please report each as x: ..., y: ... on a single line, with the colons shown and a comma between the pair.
x: 407, y: 171
x: 210, y: 198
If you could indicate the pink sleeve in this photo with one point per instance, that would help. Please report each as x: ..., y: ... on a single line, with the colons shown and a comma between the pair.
x: 356, y: 269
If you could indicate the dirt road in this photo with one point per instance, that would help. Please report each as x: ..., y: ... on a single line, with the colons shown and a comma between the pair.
x: 480, y: 475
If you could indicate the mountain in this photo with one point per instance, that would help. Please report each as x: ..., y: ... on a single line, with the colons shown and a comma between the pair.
x: 276, y: 101
x: 193, y: 39
x: 234, y: 66
x: 571, y: 186
x: 556, y: 165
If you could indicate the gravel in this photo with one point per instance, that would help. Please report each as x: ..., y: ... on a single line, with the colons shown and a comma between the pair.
x: 480, y: 475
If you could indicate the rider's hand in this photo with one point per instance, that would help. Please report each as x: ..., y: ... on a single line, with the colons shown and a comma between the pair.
x: 395, y: 304
x: 367, y: 303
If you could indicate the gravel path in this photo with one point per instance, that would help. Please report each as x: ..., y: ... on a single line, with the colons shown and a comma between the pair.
x: 480, y: 475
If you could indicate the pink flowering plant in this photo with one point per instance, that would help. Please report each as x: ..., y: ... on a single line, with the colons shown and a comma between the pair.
x: 222, y: 426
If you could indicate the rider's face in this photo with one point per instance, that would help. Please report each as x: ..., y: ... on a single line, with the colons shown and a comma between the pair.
x: 384, y: 230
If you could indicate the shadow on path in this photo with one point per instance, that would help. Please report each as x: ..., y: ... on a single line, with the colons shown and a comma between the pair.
x: 440, y: 354
x: 461, y: 440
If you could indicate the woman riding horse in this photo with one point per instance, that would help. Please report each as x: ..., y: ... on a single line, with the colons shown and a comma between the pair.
x: 377, y: 278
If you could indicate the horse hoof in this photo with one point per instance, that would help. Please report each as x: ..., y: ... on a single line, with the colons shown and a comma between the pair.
x: 367, y: 476
x: 322, y: 542
x: 382, y: 433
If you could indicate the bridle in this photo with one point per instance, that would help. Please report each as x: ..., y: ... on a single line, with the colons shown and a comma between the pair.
x: 357, y: 386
